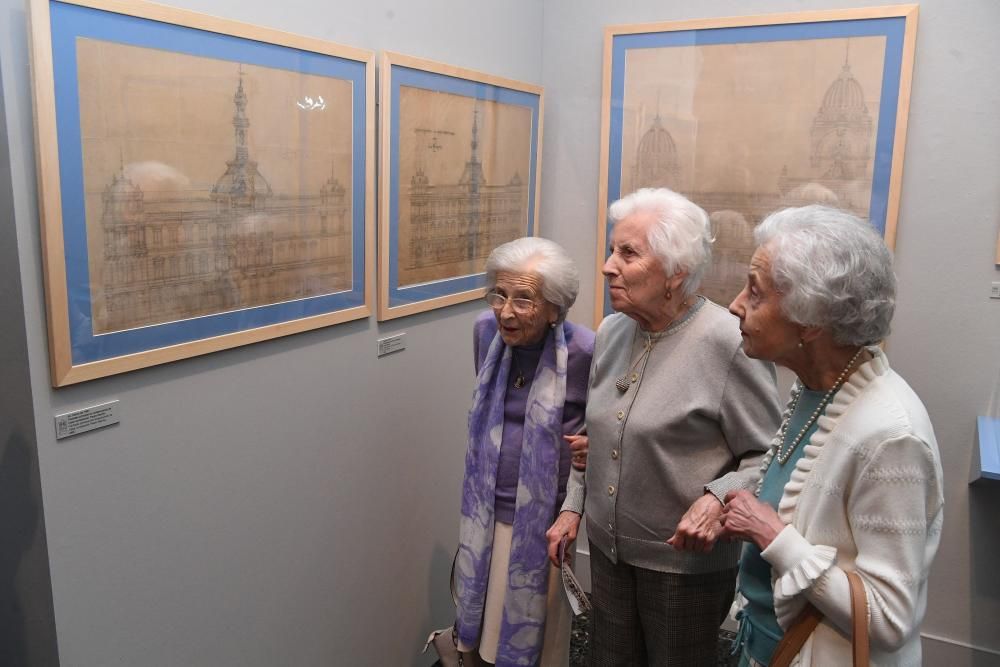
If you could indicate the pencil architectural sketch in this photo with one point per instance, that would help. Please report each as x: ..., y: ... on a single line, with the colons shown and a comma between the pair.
x: 462, y: 170
x: 746, y: 129
x: 210, y: 186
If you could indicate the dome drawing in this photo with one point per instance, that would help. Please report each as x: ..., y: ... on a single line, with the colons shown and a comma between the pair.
x: 656, y: 162
x: 842, y: 130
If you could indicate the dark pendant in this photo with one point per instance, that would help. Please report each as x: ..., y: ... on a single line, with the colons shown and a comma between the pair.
x: 518, y: 381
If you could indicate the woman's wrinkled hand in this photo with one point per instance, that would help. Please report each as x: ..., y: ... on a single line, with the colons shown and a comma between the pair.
x: 579, y: 446
x: 567, y: 524
x: 747, y: 518
x: 699, y: 528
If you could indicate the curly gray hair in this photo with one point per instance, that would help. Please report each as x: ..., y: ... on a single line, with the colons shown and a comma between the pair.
x: 547, y: 259
x: 833, y: 270
x: 681, y: 239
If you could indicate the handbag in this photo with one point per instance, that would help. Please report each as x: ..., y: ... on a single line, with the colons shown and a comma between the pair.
x: 445, y: 640
x: 797, y: 634
x: 446, y: 644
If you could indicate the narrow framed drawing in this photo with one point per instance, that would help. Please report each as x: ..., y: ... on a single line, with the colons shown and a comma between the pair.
x: 459, y: 175
x: 203, y: 184
x: 747, y: 115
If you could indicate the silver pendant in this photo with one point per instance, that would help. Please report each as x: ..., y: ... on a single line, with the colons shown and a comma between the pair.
x: 622, y: 383
x: 518, y: 381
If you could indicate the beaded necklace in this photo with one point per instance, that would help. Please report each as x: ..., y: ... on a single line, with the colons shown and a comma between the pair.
x: 783, y: 456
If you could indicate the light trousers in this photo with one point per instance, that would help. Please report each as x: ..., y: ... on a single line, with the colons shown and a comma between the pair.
x: 558, y: 615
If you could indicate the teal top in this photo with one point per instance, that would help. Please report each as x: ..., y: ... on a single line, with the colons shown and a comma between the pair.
x: 758, y: 625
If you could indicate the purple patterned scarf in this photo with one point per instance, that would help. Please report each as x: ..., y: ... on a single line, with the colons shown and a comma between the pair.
x: 522, y: 630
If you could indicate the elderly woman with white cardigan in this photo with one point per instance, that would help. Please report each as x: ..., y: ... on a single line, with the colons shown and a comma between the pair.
x: 852, y: 481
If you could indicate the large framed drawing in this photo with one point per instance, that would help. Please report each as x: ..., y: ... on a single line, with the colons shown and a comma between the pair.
x: 459, y: 175
x: 747, y: 115
x: 203, y: 183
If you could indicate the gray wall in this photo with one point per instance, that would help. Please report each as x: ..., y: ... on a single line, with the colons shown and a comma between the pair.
x: 27, y: 633
x: 294, y: 502
x: 946, y: 341
x: 289, y: 503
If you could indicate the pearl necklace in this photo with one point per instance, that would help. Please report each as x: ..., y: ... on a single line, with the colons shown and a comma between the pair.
x: 783, y: 456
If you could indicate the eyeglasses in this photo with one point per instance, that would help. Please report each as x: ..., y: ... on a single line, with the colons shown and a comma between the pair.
x: 520, y: 306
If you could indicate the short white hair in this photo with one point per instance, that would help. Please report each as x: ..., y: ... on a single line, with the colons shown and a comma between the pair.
x: 833, y: 271
x: 547, y: 259
x: 682, y: 236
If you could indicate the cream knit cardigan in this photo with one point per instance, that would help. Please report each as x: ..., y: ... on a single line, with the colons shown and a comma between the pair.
x: 866, y: 496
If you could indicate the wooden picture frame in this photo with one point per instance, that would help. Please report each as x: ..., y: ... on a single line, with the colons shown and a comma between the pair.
x: 203, y: 183
x: 746, y: 115
x: 458, y: 148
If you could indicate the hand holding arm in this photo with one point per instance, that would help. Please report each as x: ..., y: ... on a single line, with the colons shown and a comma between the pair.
x: 747, y: 518
x: 699, y: 528
x: 579, y: 446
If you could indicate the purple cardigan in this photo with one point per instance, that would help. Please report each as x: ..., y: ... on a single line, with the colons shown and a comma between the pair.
x: 580, y: 344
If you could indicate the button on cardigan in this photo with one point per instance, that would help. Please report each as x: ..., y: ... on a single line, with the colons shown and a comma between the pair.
x: 699, y: 417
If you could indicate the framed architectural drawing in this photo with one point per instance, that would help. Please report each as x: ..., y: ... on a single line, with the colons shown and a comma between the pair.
x: 748, y: 115
x: 459, y: 175
x: 203, y: 184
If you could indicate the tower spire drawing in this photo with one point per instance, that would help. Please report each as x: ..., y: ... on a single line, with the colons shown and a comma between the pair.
x: 242, y: 185
x: 473, y: 175
x: 454, y: 224
x: 240, y: 121
x: 473, y: 179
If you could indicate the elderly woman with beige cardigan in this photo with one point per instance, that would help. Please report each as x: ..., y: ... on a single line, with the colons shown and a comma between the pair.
x: 677, y: 416
x: 852, y: 482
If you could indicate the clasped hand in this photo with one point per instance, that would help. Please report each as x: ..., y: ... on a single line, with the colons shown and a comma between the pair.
x: 699, y: 528
x: 747, y: 518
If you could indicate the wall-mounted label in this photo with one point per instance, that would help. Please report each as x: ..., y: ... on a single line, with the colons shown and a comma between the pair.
x: 87, y: 419
x: 391, y: 344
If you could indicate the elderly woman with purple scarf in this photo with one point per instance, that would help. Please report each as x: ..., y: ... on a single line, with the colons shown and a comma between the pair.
x: 527, y: 413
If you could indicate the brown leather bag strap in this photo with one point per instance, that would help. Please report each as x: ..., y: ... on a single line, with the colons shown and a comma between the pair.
x: 804, y: 624
x: 796, y: 635
x: 451, y: 578
x: 859, y: 619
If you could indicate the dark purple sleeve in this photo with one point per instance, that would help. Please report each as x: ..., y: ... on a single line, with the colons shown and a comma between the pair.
x: 483, y: 332
x: 580, y: 344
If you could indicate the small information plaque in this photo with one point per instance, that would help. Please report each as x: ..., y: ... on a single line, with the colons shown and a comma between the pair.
x: 391, y: 344
x: 86, y: 419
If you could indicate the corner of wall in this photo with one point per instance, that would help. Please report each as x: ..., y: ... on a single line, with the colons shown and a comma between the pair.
x: 27, y: 617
